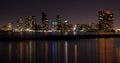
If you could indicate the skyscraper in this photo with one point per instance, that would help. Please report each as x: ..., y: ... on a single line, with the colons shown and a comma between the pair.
x: 105, y: 21
x: 20, y: 24
x: 59, y: 23
x: 30, y: 22
x: 66, y: 26
x: 45, y: 23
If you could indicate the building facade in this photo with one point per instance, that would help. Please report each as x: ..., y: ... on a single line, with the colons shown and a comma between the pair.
x: 105, y: 21
x: 45, y: 23
x: 30, y: 24
x: 59, y: 23
x: 20, y: 24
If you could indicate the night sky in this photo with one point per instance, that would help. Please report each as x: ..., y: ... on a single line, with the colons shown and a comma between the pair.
x: 75, y: 11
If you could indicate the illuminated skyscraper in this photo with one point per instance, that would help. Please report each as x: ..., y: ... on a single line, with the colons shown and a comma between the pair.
x: 59, y: 23
x: 66, y: 26
x: 30, y: 22
x: 20, y: 24
x: 45, y: 23
x: 105, y: 21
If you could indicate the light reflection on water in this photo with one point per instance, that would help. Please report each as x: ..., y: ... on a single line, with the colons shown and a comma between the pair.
x: 10, y: 51
x: 21, y: 52
x: 98, y: 50
x: 84, y: 51
x: 46, y: 52
x: 118, y: 54
x: 66, y: 52
x: 105, y: 49
x: 75, y: 52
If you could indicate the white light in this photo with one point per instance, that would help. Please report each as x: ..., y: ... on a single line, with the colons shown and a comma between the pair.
x: 117, y: 30
x: 49, y: 30
x: 66, y: 52
x: 74, y: 28
x: 65, y: 21
x: 28, y: 29
x: 66, y: 33
x: 74, y: 33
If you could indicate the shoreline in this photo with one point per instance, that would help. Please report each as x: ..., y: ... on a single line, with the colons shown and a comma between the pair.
x: 55, y: 36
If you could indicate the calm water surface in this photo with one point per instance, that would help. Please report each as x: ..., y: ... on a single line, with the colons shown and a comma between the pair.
x: 96, y: 50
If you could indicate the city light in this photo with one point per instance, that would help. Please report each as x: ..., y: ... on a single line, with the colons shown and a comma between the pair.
x: 74, y: 28
x: 105, y: 24
x: 28, y: 30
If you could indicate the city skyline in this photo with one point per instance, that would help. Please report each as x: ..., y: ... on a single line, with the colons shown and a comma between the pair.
x: 83, y: 11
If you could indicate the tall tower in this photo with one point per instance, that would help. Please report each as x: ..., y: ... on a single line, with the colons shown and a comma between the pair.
x: 45, y: 24
x: 66, y: 26
x: 59, y: 23
x: 34, y: 22
x: 30, y: 22
x: 105, y: 21
x: 19, y: 24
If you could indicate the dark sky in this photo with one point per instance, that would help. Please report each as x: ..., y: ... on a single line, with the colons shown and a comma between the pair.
x: 75, y: 11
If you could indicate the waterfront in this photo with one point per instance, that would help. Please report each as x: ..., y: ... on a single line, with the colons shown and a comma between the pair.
x: 91, y: 50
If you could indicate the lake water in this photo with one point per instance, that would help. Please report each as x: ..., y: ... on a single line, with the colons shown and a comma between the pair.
x: 93, y: 50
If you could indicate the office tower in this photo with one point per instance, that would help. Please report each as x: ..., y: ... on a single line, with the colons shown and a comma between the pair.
x: 66, y: 26
x: 59, y: 23
x: 45, y: 23
x: 30, y: 22
x: 105, y: 21
x: 20, y: 24
x: 34, y: 22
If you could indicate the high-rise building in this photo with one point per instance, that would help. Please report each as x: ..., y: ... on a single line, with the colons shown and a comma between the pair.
x: 66, y: 26
x: 34, y: 22
x: 20, y: 24
x: 30, y: 22
x: 45, y: 23
x: 105, y: 20
x: 59, y: 23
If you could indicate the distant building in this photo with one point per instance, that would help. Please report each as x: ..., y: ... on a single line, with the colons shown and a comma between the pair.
x: 66, y: 26
x: 20, y: 24
x: 45, y: 23
x: 8, y: 27
x: 59, y: 23
x: 93, y: 27
x: 54, y: 26
x: 76, y: 27
x: 105, y: 21
x: 30, y: 24
x: 84, y: 27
